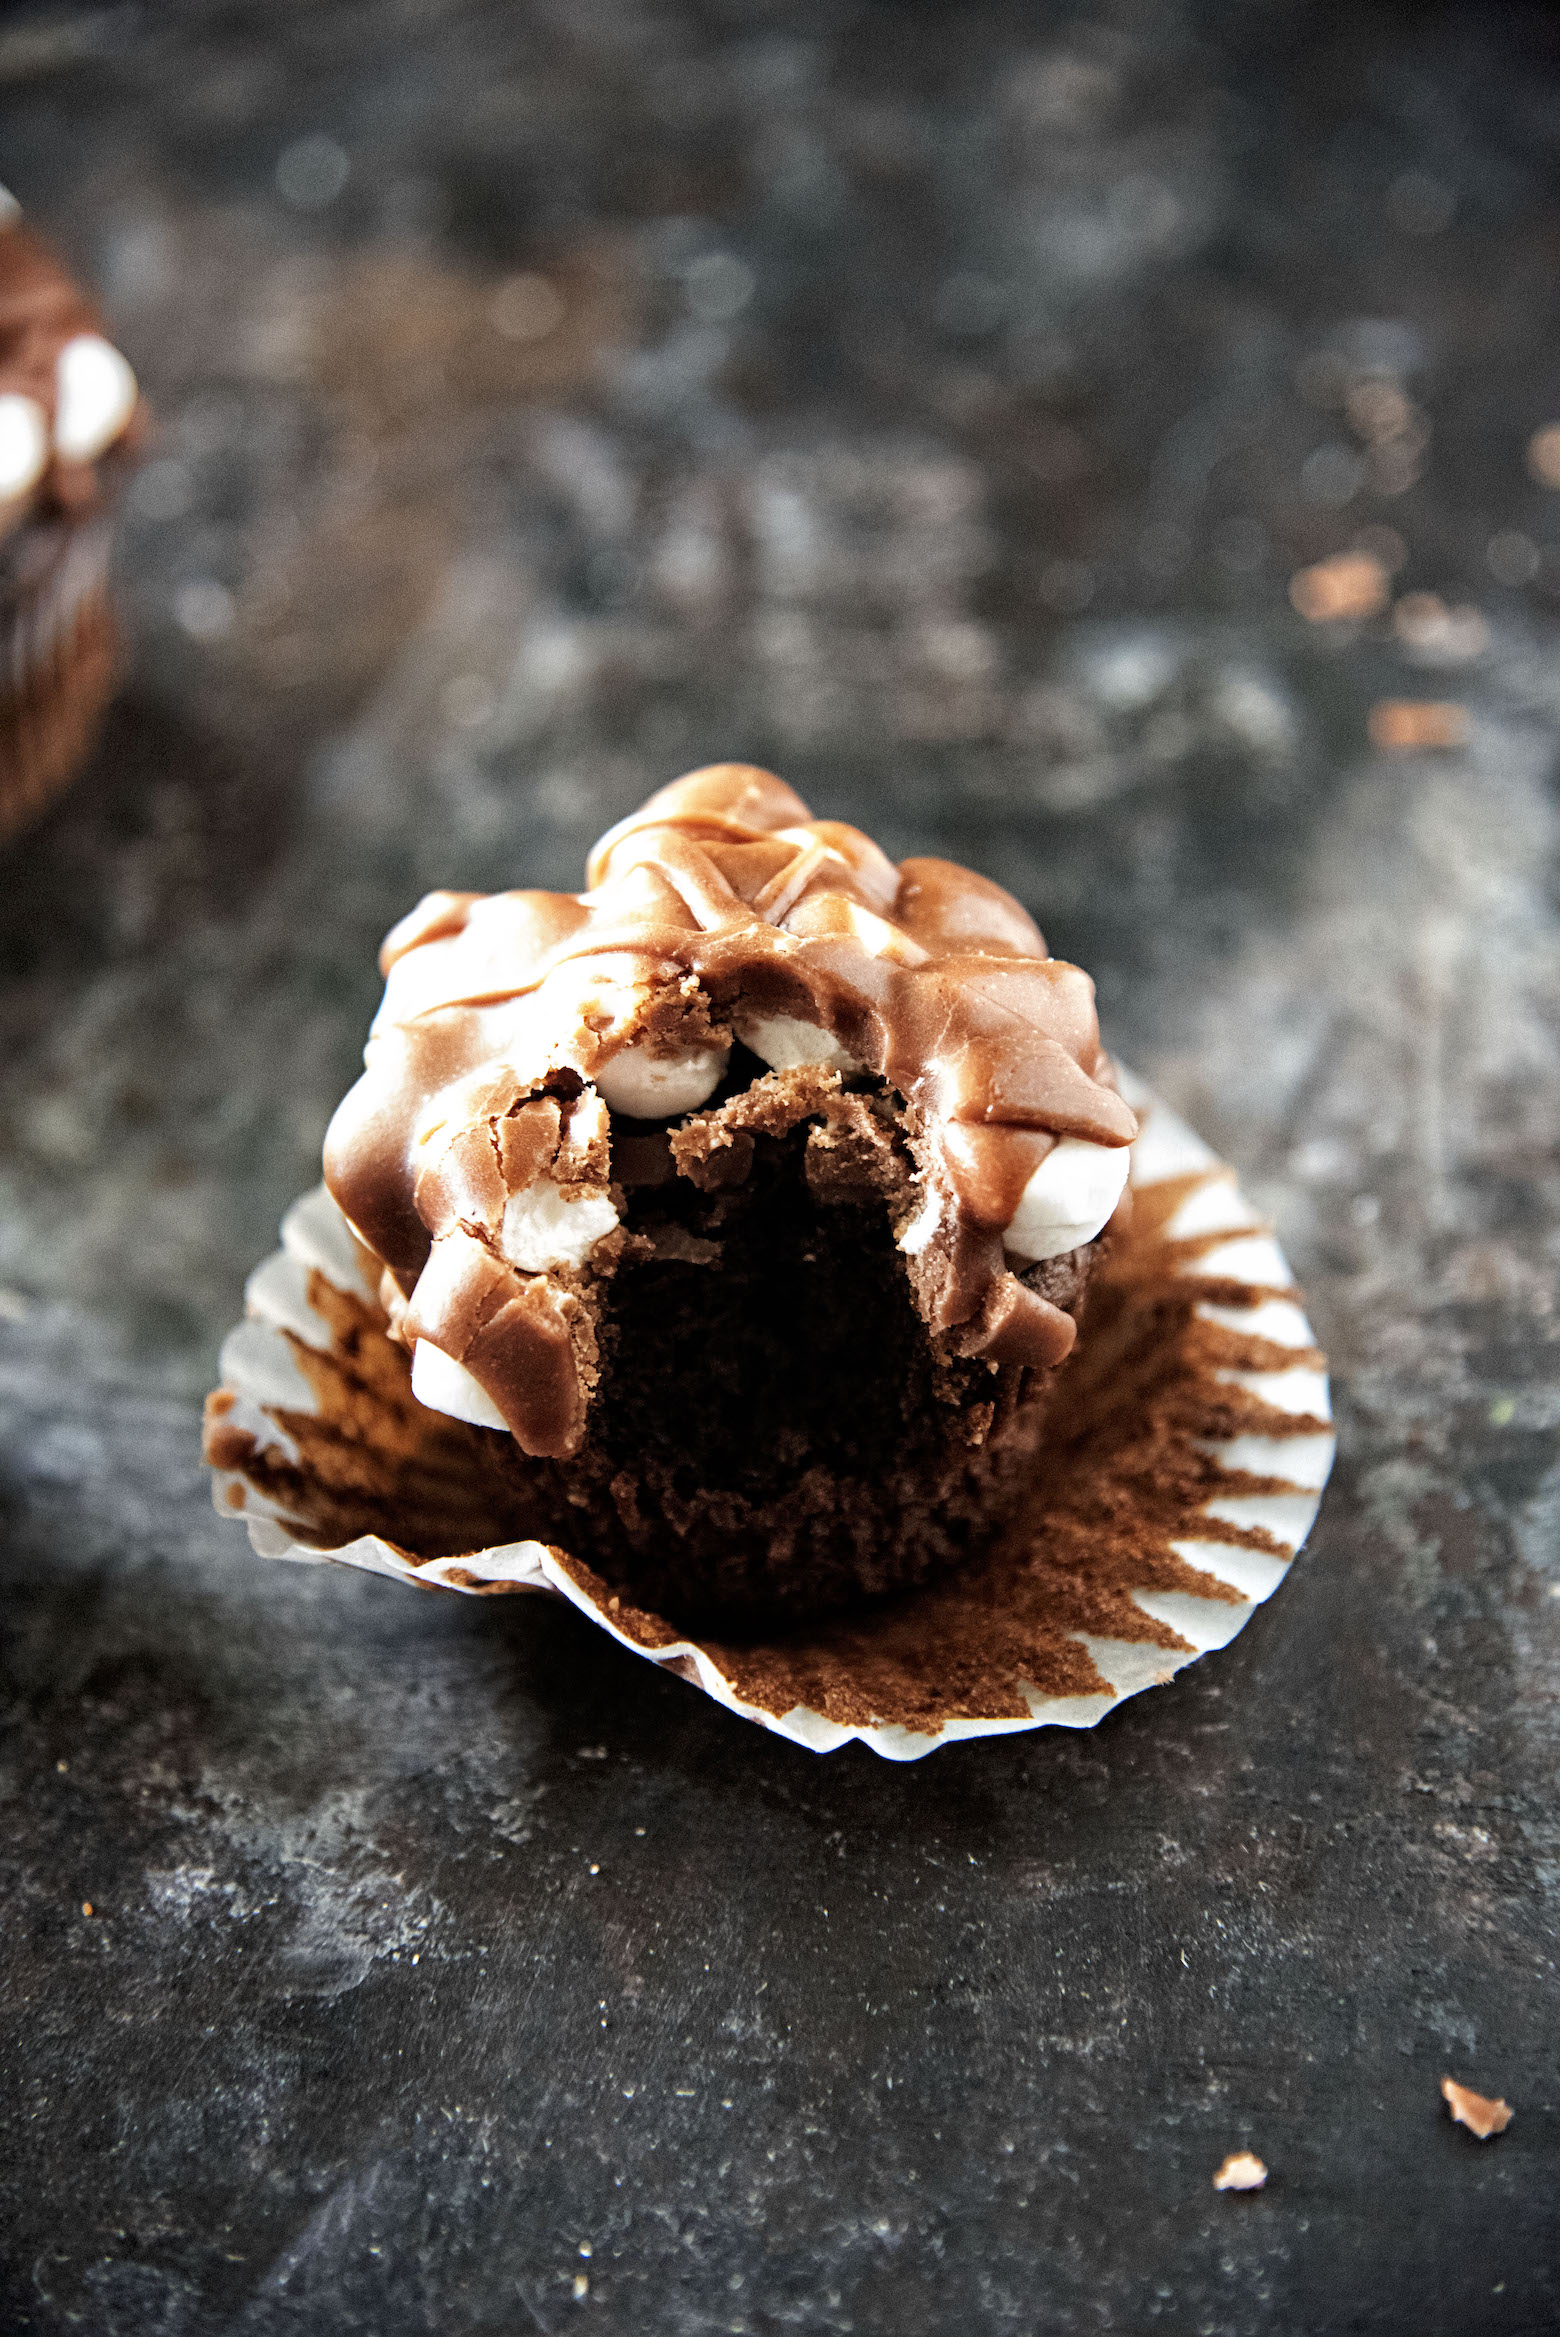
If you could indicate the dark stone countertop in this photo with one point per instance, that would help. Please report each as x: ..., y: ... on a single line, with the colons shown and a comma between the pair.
x: 933, y: 403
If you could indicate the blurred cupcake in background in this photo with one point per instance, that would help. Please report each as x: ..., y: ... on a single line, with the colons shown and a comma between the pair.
x: 70, y: 417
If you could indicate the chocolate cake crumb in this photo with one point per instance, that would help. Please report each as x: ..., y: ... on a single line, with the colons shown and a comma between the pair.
x: 1477, y: 2112
x: 1413, y: 726
x: 1346, y: 589
x: 1241, y: 2171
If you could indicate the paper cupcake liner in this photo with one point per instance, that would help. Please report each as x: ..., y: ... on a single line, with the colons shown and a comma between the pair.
x: 59, y: 662
x: 1188, y: 1449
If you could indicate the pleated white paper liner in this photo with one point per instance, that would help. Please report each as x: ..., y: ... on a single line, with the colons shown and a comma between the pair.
x: 1192, y: 1449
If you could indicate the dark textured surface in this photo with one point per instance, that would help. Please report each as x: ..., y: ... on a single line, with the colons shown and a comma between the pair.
x: 443, y: 1961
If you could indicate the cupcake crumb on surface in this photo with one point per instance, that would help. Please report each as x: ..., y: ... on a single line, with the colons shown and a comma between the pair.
x: 1348, y: 587
x: 1409, y: 725
x: 1241, y: 2171
x: 1477, y: 2112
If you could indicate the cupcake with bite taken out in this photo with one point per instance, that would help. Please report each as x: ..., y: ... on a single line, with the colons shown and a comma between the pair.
x: 748, y: 1200
x: 69, y: 419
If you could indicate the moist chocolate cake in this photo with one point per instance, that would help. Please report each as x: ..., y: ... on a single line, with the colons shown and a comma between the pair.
x: 68, y: 419
x: 749, y: 1198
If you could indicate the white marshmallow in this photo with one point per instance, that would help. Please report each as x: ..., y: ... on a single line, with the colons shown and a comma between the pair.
x: 94, y: 394
x: 543, y: 1228
x: 656, y: 1087
x: 587, y: 1122
x: 24, y: 444
x: 786, y: 1043
x: 918, y: 1233
x: 447, y: 1386
x: 1068, y: 1199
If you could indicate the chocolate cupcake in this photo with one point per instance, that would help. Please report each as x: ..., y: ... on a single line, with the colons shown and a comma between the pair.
x: 748, y: 1200
x: 68, y: 419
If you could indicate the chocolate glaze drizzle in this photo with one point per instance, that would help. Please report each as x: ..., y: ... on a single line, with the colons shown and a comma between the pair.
x: 720, y: 901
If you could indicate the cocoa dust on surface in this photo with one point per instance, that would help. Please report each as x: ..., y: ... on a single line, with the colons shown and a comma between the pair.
x: 1125, y: 1473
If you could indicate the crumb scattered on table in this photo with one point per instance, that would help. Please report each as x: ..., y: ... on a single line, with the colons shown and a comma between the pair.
x: 1400, y: 725
x: 1349, y: 586
x: 1475, y: 2111
x: 1434, y: 634
x: 1242, y: 2171
x: 1543, y: 455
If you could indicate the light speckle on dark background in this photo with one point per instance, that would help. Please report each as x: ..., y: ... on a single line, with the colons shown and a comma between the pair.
x: 934, y: 403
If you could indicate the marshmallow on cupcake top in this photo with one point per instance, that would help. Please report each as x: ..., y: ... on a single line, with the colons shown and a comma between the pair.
x: 67, y: 395
x: 526, y: 1040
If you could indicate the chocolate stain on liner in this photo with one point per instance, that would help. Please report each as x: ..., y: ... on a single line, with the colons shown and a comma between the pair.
x: 1124, y: 1475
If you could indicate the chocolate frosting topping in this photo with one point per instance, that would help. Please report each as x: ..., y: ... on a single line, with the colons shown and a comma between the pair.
x: 476, y: 1157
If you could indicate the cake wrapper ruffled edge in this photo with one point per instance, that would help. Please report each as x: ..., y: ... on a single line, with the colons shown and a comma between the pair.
x: 1228, y: 1244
